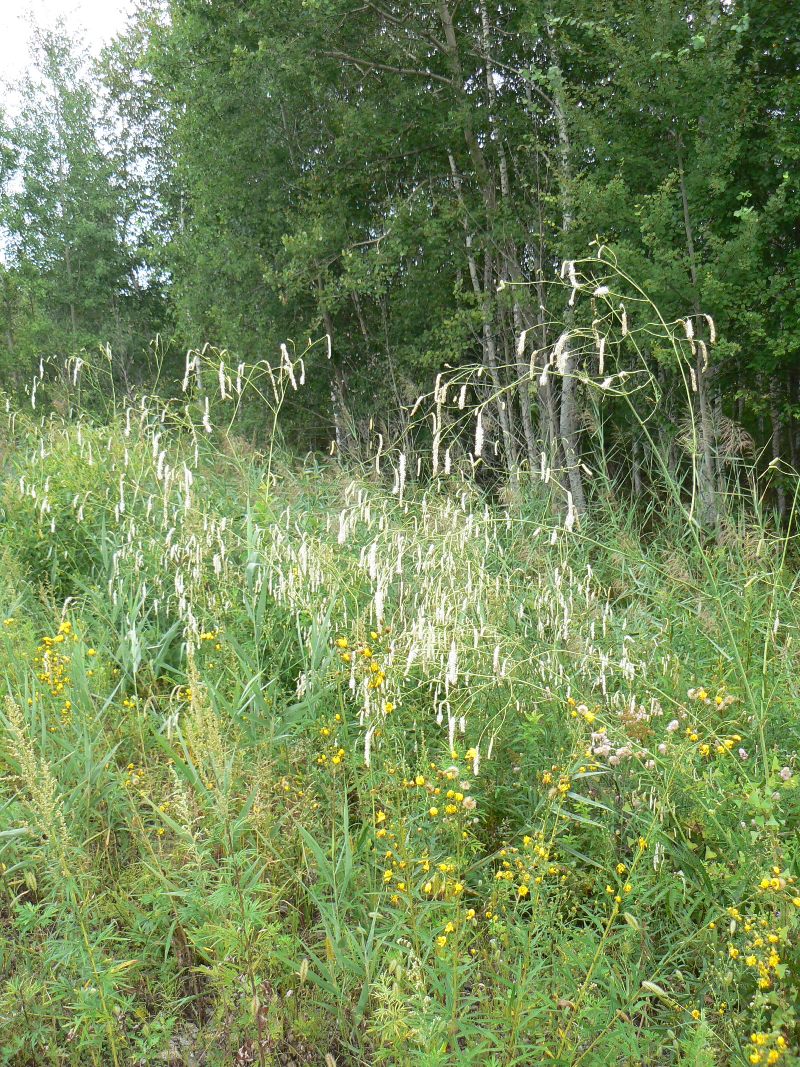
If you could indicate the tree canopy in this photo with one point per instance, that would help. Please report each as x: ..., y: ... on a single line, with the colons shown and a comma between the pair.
x: 411, y: 179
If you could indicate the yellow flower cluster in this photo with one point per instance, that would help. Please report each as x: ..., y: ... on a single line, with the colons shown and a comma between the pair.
x: 51, y: 665
x: 719, y: 746
x: 580, y: 711
x: 721, y: 700
x: 767, y: 1048
x: 206, y: 638
x: 522, y: 868
x: 756, y: 942
x: 777, y: 881
x: 467, y: 919
x: 434, y: 787
x: 409, y: 871
x: 331, y: 753
x: 557, y: 783
x: 134, y: 777
x: 365, y: 658
x: 289, y: 786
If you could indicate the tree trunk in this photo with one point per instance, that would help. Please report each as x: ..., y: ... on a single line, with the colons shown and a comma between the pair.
x: 636, y: 468
x: 706, y: 470
x: 337, y: 386
x: 569, y: 431
x: 776, y: 420
x: 486, y: 183
x: 72, y: 315
x: 794, y: 384
x: 548, y: 423
x: 505, y: 413
x: 489, y: 343
x: 510, y: 259
x: 568, y: 426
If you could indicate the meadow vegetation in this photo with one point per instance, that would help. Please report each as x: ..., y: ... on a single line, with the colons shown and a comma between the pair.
x: 304, y: 763
x: 426, y: 695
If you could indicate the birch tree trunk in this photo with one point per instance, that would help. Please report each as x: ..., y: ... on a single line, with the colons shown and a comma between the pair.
x: 511, y: 261
x: 484, y: 290
x: 488, y: 340
x: 569, y: 427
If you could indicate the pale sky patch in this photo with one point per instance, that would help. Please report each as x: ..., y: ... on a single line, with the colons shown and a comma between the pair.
x: 95, y: 21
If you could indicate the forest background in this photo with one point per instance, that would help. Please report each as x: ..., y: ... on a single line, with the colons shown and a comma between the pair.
x: 412, y: 181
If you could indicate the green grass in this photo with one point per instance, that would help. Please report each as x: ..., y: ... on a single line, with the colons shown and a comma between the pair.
x: 226, y: 831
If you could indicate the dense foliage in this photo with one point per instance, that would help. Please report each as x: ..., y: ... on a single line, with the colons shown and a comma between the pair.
x: 377, y: 171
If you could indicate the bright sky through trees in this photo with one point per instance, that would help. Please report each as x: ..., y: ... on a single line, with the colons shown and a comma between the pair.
x: 95, y: 20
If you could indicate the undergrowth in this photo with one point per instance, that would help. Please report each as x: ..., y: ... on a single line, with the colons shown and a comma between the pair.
x: 298, y: 766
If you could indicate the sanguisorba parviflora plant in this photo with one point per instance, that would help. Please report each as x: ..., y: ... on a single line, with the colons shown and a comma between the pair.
x: 304, y: 762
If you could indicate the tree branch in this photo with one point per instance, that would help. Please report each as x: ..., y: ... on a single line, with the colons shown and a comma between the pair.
x: 404, y: 23
x: 368, y: 64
